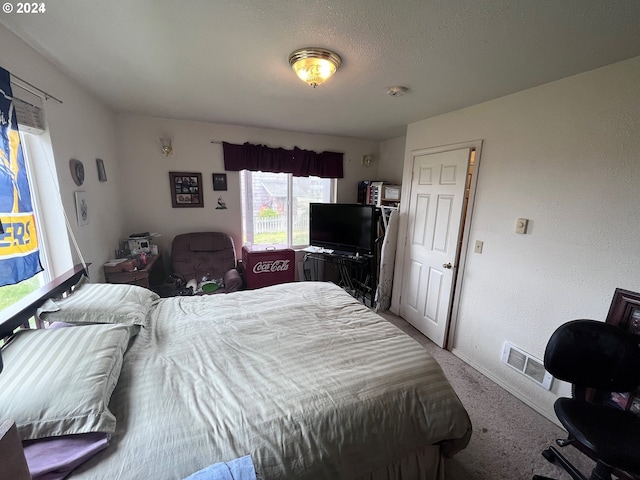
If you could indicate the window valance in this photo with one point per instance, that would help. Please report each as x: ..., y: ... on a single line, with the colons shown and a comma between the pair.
x: 298, y: 162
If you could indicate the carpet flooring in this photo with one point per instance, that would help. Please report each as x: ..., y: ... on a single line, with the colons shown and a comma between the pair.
x: 508, y: 436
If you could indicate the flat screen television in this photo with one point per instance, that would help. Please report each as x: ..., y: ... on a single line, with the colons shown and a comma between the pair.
x: 343, y: 227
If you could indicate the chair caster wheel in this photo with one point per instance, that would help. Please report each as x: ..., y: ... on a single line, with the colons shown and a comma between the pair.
x: 563, y: 442
x: 548, y: 454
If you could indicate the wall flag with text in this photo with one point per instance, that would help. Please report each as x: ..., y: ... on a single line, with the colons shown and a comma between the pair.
x: 19, y: 257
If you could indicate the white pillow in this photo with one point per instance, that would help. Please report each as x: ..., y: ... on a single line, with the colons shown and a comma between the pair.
x: 59, y: 381
x: 101, y: 303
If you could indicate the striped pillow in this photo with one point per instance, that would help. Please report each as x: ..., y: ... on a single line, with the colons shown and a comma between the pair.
x: 59, y: 381
x: 101, y: 303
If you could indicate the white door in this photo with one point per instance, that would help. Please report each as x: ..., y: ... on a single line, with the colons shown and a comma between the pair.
x: 434, y: 221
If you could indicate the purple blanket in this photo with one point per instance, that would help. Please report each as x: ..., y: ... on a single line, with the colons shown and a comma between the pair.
x: 237, y: 469
x: 54, y: 458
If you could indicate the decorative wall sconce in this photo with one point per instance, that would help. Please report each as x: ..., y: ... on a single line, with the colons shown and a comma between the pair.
x: 167, y: 149
x: 367, y: 160
x: 314, y: 65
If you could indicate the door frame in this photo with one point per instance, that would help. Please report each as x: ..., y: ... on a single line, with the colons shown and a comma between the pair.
x: 463, y: 246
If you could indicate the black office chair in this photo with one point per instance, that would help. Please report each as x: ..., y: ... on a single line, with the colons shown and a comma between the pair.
x: 604, y: 357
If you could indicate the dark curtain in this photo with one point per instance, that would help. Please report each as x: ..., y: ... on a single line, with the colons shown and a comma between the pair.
x: 300, y: 163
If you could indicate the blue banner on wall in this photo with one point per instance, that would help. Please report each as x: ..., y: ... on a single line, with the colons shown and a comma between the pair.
x: 19, y: 256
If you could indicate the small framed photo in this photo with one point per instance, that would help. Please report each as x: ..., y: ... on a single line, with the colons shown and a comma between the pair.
x: 220, y: 181
x: 82, y: 208
x: 102, y: 173
x: 625, y: 310
x: 186, y: 189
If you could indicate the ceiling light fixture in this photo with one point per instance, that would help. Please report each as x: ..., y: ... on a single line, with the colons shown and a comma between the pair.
x: 314, y: 65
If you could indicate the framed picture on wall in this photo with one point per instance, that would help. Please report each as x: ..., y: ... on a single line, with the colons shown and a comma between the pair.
x: 186, y: 189
x: 82, y: 208
x: 220, y: 181
x: 102, y: 173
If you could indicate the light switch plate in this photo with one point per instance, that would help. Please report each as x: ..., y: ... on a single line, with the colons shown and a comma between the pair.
x: 478, y: 246
x: 521, y: 225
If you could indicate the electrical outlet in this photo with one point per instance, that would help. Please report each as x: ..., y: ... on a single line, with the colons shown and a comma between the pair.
x: 478, y: 246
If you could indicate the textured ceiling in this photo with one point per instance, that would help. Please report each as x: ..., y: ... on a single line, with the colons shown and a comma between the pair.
x: 226, y: 61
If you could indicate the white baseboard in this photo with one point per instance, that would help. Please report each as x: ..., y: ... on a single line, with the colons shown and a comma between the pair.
x: 508, y: 388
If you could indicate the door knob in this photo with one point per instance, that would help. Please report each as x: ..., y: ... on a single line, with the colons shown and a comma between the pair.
x: 447, y: 265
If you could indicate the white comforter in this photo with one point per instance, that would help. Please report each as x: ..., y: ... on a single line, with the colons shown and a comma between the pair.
x: 300, y: 376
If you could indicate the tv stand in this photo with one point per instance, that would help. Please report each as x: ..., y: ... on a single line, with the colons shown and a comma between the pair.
x: 357, y: 273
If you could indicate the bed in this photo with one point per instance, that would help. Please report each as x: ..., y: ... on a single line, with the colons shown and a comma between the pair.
x: 301, y: 377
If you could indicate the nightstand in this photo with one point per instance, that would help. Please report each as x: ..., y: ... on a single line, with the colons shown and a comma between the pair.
x: 14, y: 465
x: 145, y: 275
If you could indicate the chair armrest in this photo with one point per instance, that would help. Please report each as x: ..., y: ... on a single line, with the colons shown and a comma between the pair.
x: 232, y: 281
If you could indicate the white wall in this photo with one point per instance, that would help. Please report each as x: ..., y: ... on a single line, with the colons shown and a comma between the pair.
x: 392, y: 160
x: 145, y: 182
x: 80, y: 128
x: 564, y: 155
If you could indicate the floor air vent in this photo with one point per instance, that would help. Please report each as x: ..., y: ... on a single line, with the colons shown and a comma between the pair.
x: 526, y: 364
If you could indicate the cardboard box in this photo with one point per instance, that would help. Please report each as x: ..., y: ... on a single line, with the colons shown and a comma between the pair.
x: 392, y: 192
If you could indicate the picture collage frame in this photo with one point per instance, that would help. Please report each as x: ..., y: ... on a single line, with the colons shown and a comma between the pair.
x: 186, y: 189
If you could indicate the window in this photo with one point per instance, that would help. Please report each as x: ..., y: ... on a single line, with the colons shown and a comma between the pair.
x: 275, y: 206
x: 55, y: 253
x: 11, y: 294
x: 53, y: 242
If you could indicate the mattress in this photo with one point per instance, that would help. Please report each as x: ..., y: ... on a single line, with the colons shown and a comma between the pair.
x: 300, y: 376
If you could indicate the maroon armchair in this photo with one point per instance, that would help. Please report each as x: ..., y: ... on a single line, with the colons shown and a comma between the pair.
x: 206, y: 254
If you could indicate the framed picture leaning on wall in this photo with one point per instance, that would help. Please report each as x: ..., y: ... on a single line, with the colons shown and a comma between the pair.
x: 625, y: 310
x: 625, y: 313
x: 186, y: 189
